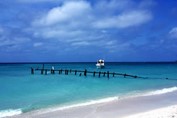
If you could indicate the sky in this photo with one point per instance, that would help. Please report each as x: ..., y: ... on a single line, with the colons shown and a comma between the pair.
x: 88, y: 30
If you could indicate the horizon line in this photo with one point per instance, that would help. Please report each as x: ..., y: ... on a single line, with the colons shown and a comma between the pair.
x: 89, y: 62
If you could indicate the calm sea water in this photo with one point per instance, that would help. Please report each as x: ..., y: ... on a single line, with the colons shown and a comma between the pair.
x: 19, y: 90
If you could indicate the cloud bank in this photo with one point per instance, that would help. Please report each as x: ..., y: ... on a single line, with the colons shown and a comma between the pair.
x: 102, y: 28
x: 173, y: 33
x: 80, y: 23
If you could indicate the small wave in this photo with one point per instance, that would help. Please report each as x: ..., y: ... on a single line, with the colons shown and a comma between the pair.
x: 92, y: 102
x: 162, y: 91
x: 109, y: 99
x: 10, y: 112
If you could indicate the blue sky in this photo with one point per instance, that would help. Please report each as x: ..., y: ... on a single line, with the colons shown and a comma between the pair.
x: 87, y: 30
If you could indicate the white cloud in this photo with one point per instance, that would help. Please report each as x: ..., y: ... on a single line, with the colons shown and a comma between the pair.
x: 80, y: 23
x: 5, y: 42
x: 53, y: 33
x: 16, y: 41
x: 38, y: 44
x: 39, y: 1
x: 81, y: 43
x: 113, y: 5
x: 173, y: 32
x: 1, y: 30
x: 147, y: 3
x: 133, y: 18
x: 11, y: 42
x: 69, y: 11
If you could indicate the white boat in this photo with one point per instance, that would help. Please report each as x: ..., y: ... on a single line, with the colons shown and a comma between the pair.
x: 100, y: 63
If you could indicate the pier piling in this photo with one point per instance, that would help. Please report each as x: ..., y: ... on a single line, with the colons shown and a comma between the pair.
x: 108, y: 74
x: 85, y: 72
x: 113, y: 74
x: 32, y: 71
x: 75, y: 72
x: 104, y: 74
x: 66, y: 72
x: 94, y: 73
x: 45, y: 71
x: 42, y: 71
x: 99, y: 74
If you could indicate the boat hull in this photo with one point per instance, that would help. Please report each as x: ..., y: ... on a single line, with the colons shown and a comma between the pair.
x: 99, y: 66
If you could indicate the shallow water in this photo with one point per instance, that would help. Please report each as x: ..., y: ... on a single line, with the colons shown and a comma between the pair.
x: 21, y: 90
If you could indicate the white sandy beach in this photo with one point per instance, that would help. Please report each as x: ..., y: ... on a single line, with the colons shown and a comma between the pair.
x: 155, y: 106
x: 166, y: 112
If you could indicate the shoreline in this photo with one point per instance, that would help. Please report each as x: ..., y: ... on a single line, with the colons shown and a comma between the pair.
x: 118, y: 108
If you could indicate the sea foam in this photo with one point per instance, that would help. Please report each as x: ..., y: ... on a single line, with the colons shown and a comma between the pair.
x: 162, y: 91
x: 10, y: 112
x: 91, y: 102
x: 109, y: 99
x: 98, y: 101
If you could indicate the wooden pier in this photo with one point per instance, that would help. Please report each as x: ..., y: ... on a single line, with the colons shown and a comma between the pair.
x: 45, y: 71
x: 85, y: 72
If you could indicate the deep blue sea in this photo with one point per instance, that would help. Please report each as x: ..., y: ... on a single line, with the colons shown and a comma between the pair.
x: 20, y: 91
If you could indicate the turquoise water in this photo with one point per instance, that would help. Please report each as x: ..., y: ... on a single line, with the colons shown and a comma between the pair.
x: 21, y: 90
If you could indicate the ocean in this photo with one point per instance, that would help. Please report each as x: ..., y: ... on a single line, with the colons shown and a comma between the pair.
x: 21, y: 91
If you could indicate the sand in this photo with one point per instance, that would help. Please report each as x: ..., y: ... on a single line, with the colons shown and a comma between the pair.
x: 155, y: 106
x: 166, y: 112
